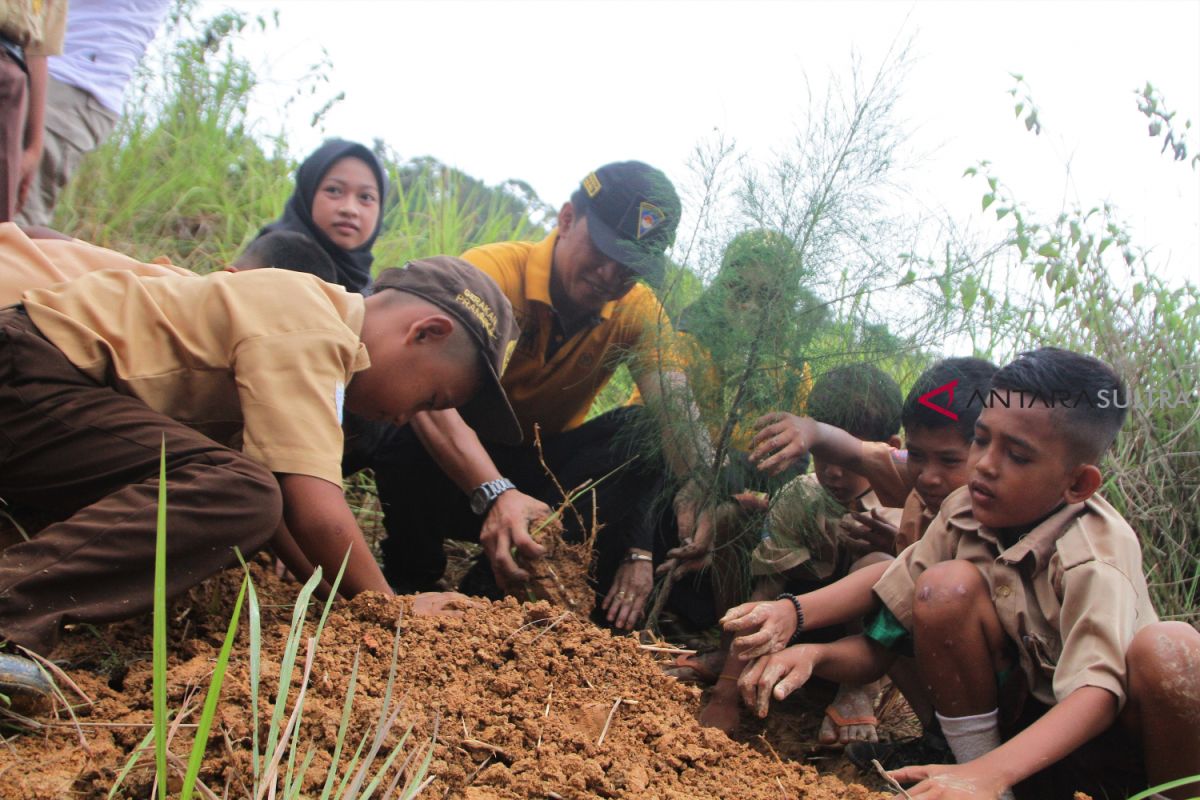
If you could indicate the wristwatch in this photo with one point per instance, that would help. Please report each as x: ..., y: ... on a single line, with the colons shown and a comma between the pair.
x: 486, y: 493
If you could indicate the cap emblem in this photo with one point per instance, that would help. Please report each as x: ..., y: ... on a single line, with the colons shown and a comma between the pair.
x: 591, y: 184
x: 479, y: 309
x: 650, y: 217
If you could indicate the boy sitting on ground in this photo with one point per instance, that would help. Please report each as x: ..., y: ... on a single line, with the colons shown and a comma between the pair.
x: 96, y: 373
x: 804, y: 542
x: 1027, y: 609
x: 934, y: 464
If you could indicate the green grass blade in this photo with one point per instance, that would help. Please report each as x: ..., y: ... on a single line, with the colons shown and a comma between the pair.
x: 343, y: 728
x: 1164, y: 787
x: 160, y: 628
x: 129, y: 763
x: 288, y: 663
x: 291, y: 790
x: 255, y: 618
x: 210, y: 700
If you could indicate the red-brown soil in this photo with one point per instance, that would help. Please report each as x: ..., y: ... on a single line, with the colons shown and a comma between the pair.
x: 561, y: 575
x: 520, y: 693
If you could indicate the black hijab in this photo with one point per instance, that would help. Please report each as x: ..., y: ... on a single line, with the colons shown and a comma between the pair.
x: 353, y: 266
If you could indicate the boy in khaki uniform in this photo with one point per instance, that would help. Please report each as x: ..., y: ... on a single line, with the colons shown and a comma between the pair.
x: 246, y: 376
x: 1027, y: 610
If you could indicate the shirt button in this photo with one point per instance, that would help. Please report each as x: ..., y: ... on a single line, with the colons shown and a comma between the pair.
x: 1003, y: 591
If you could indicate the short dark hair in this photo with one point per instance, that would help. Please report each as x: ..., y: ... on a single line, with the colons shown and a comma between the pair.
x: 861, y: 399
x: 289, y: 250
x: 1087, y: 394
x: 974, y: 376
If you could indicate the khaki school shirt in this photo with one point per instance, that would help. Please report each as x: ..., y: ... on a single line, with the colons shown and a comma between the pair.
x: 38, y: 26
x: 261, y: 357
x: 1070, y: 593
x: 552, y: 378
x: 798, y: 531
x: 36, y: 263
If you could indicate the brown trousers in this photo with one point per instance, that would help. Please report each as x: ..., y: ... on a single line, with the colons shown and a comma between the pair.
x: 86, y: 456
x: 14, y: 91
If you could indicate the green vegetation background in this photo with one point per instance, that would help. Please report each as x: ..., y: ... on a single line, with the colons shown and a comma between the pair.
x: 186, y: 176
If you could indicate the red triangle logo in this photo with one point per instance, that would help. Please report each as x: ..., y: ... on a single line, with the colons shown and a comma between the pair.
x: 947, y: 389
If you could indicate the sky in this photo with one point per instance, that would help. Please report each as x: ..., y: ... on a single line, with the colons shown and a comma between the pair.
x: 546, y: 91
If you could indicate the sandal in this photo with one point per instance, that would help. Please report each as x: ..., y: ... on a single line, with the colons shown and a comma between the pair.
x: 844, y: 722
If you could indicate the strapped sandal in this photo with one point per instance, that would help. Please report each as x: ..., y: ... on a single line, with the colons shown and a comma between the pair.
x: 844, y: 722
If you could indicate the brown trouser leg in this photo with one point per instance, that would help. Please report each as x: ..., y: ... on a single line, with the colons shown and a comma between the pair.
x: 89, y: 457
x: 13, y: 91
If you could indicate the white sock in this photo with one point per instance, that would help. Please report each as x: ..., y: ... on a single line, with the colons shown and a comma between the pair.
x: 972, y: 737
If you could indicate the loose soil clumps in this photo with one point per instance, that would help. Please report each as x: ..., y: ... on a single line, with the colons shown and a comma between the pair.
x: 527, y: 700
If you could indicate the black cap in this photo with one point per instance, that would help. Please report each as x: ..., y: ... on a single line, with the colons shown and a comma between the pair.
x: 475, y: 300
x: 632, y: 212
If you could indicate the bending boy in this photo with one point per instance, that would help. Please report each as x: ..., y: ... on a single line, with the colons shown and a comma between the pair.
x: 246, y: 377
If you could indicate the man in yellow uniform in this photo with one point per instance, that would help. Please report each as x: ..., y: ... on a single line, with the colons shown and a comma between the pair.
x: 245, y: 378
x: 583, y: 304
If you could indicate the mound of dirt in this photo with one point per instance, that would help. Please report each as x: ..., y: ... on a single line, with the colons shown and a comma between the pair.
x: 527, y: 701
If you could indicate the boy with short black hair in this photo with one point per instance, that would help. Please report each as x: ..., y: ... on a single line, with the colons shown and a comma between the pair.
x: 1028, y: 611
x: 97, y: 372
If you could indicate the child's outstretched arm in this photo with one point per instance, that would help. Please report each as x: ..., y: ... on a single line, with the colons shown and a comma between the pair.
x: 324, y: 528
x: 766, y: 627
x: 855, y: 660
x: 784, y: 438
x: 1081, y: 716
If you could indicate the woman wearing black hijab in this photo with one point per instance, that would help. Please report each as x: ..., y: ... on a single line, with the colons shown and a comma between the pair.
x: 338, y: 204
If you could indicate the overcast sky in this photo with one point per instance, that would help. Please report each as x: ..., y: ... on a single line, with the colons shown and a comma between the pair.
x: 545, y: 91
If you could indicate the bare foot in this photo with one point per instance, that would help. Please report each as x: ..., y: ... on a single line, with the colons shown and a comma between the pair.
x: 723, y: 711
x: 850, y: 717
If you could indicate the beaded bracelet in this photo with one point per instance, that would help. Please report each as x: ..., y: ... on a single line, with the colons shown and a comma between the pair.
x: 799, y: 617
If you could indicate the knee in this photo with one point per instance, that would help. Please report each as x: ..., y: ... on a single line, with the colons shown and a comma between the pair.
x: 1163, y: 662
x: 251, y: 496
x: 946, y: 592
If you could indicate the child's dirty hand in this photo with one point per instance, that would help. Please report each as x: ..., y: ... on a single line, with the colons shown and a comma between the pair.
x: 776, y: 676
x: 440, y: 604
x: 781, y: 441
x: 950, y: 782
x: 870, y: 532
x: 692, y: 554
x: 764, y: 627
x: 507, y: 526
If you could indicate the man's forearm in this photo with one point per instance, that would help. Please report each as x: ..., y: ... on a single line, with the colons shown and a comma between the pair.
x: 686, y: 444
x: 455, y: 447
x: 35, y: 116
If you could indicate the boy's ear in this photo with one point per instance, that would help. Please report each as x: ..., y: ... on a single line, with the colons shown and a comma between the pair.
x: 1085, y: 480
x: 894, y: 441
x: 566, y: 216
x: 435, y: 327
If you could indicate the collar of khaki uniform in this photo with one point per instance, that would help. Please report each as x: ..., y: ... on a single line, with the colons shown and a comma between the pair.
x: 537, y: 276
x: 1036, y: 545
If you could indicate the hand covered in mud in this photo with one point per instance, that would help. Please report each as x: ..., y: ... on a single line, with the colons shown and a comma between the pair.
x: 760, y: 628
x: 781, y: 441
x: 776, y: 676
x: 950, y: 782
x: 870, y: 532
x: 440, y: 604
x: 626, y: 600
x: 753, y: 501
x: 694, y: 553
x: 507, y: 526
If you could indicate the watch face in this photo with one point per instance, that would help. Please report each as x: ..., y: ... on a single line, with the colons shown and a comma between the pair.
x: 478, y: 501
